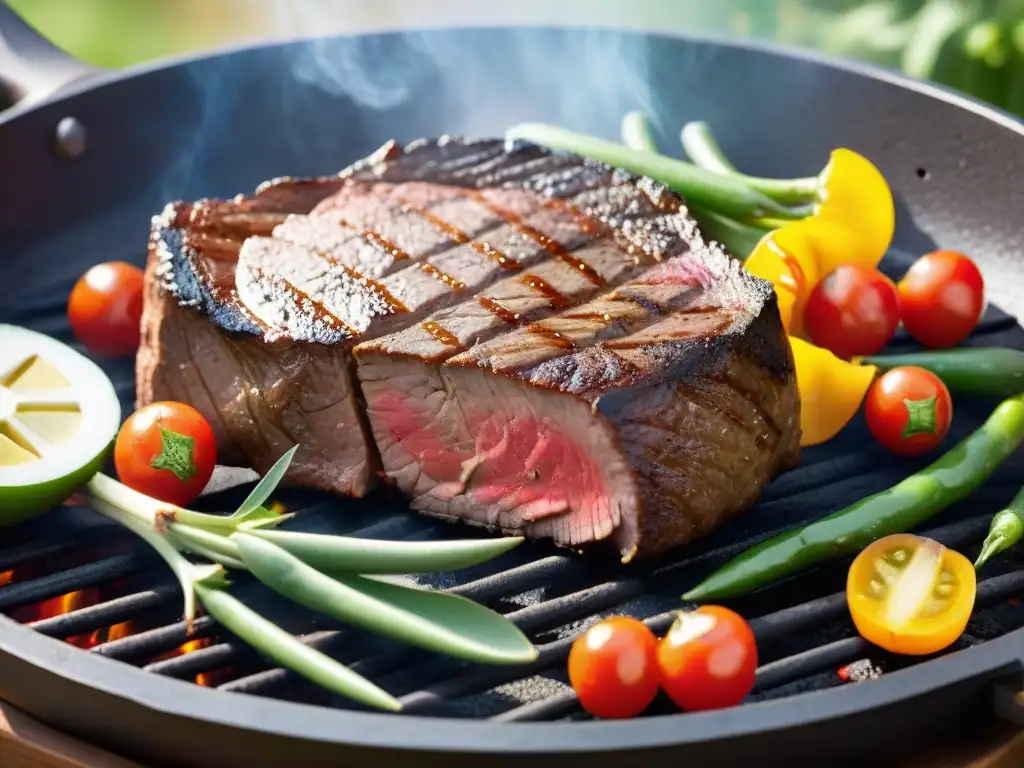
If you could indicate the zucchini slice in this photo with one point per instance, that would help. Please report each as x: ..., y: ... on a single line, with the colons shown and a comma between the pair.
x: 59, y: 415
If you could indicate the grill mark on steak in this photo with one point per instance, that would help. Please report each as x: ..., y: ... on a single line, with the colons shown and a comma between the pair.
x: 381, y: 242
x: 500, y: 312
x: 447, y: 338
x: 456, y: 235
x: 625, y: 310
x: 454, y: 283
x: 519, y: 300
x: 503, y: 260
x: 549, y: 244
x: 457, y: 269
x: 300, y: 310
x: 551, y: 336
x: 394, y: 304
x: 545, y: 289
x: 459, y: 237
x: 587, y: 223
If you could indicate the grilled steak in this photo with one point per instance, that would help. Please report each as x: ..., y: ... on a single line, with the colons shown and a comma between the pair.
x: 543, y: 345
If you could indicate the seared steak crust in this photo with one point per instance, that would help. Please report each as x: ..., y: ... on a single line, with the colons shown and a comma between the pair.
x: 545, y: 345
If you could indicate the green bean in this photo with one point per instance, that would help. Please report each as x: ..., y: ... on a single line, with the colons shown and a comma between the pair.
x: 1006, y: 530
x: 436, y: 621
x: 727, y: 195
x: 995, y: 371
x: 702, y: 148
x: 636, y: 133
x: 290, y: 652
x: 354, y: 555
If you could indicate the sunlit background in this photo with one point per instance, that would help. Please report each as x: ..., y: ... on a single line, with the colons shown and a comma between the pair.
x: 974, y: 45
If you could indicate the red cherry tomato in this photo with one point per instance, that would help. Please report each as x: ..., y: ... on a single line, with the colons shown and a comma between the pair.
x: 853, y: 310
x: 942, y: 297
x: 708, y: 659
x: 909, y: 410
x: 613, y: 669
x: 105, y: 309
x: 166, y: 451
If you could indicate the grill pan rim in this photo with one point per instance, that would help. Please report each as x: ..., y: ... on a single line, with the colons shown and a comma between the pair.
x: 871, y: 71
x: 124, y: 681
x: 168, y: 696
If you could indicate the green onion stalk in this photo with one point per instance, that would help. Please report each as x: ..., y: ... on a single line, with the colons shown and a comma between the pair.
x: 731, y: 207
x: 338, y: 576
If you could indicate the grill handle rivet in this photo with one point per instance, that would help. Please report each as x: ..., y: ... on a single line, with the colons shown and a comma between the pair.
x: 69, y: 138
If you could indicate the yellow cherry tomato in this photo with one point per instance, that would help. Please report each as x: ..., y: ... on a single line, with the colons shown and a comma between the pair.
x: 831, y: 390
x: 910, y: 595
x: 855, y: 217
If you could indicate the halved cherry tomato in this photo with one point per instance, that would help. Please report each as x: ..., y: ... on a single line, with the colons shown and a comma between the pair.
x: 909, y: 410
x: 910, y: 595
x: 105, y: 309
x: 942, y: 297
x: 854, y: 310
x: 708, y: 659
x: 166, y: 451
x: 612, y: 668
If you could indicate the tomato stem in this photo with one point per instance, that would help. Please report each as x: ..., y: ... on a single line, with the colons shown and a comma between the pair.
x: 176, y: 455
x: 921, y: 418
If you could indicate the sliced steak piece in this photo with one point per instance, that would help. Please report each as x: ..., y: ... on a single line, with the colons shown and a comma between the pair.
x: 647, y: 415
x: 254, y: 304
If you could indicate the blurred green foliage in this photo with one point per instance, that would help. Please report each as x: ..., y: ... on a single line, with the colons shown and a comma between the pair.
x: 118, y: 33
x: 976, y: 46
x: 973, y: 45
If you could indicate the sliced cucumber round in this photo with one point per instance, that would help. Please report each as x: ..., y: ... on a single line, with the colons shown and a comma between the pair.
x: 59, y: 415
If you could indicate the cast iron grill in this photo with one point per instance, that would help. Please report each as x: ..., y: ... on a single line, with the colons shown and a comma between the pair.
x: 803, y: 641
x: 116, y: 599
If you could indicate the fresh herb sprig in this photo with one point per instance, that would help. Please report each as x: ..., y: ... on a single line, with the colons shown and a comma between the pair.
x: 338, y: 576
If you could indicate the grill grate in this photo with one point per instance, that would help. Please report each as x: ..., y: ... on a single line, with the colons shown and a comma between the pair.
x: 801, y: 643
x: 804, y: 633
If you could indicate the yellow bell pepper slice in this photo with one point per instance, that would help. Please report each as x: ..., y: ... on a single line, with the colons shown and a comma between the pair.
x: 855, y: 218
x: 853, y: 223
x: 785, y: 257
x: 831, y: 390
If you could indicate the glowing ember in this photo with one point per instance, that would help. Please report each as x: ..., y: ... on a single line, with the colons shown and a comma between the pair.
x: 6, y: 577
x: 859, y: 671
x: 191, y: 645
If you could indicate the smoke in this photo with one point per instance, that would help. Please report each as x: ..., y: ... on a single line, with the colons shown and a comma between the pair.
x: 336, y: 97
x: 484, y: 89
